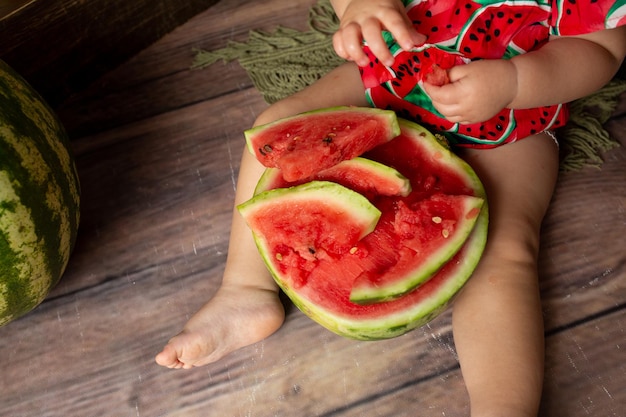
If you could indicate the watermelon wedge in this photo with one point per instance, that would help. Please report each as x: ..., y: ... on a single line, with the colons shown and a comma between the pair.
x: 407, y: 281
x: 363, y: 175
x: 425, y: 236
x: 297, y: 238
x: 305, y: 144
x: 393, y: 318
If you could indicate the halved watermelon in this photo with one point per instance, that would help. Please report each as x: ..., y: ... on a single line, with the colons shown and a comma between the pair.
x: 437, y: 177
x: 305, y: 144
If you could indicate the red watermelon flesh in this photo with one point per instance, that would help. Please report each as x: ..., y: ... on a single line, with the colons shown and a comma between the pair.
x: 367, y: 177
x: 437, y: 76
x: 410, y: 243
x: 303, y: 145
x: 328, y: 301
x: 435, y: 175
x: 298, y: 225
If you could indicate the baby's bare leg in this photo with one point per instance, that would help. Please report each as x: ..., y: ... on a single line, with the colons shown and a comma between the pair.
x: 246, y: 308
x: 498, y: 327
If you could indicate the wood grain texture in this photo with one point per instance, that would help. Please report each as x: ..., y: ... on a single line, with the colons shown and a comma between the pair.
x: 8, y: 7
x: 122, y: 97
x: 62, y: 46
x: 158, y: 149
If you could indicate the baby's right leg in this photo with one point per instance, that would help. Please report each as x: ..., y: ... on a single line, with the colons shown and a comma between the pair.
x: 246, y: 308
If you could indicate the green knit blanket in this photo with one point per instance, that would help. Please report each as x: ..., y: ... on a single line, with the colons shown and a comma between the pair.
x: 285, y: 60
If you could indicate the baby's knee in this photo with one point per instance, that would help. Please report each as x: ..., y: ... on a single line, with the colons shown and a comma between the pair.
x: 521, y: 249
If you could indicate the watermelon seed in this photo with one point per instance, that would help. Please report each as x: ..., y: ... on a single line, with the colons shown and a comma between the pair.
x: 312, y: 251
x: 265, y: 150
x: 279, y: 257
x: 353, y: 250
x: 445, y: 233
x: 437, y: 219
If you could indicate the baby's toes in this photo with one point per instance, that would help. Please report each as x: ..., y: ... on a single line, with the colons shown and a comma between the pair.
x: 168, y: 357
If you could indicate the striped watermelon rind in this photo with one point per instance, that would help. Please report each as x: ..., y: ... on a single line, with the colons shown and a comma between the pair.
x: 39, y: 197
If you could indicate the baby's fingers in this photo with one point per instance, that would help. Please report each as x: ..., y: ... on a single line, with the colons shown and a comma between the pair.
x: 444, y: 94
x: 403, y: 31
x: 374, y: 39
x: 348, y: 43
x: 445, y: 101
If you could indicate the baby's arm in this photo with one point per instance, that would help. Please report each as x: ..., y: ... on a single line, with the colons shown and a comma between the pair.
x: 573, y: 66
x: 364, y: 20
x: 565, y: 69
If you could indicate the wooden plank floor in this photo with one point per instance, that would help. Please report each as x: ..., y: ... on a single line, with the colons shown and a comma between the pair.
x: 158, y: 149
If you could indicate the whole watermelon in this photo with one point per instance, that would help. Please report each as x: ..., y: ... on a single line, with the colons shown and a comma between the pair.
x: 39, y: 197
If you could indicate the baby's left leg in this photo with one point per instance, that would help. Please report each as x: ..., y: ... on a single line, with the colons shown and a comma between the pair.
x: 497, y: 318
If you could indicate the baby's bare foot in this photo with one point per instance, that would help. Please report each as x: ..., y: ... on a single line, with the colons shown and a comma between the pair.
x: 234, y: 318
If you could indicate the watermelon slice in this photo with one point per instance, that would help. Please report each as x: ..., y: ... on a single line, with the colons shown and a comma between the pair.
x: 305, y: 144
x: 425, y: 236
x: 363, y: 175
x: 388, y: 253
x: 298, y: 226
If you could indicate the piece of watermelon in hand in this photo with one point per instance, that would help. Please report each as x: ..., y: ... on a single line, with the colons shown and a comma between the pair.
x: 436, y: 76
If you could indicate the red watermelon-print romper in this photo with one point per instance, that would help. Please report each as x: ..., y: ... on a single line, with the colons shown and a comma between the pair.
x: 463, y: 30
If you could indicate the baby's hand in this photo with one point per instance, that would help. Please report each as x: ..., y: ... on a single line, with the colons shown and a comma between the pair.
x: 476, y: 91
x: 364, y: 20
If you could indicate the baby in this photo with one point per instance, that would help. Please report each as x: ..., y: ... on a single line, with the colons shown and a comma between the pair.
x: 543, y: 55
